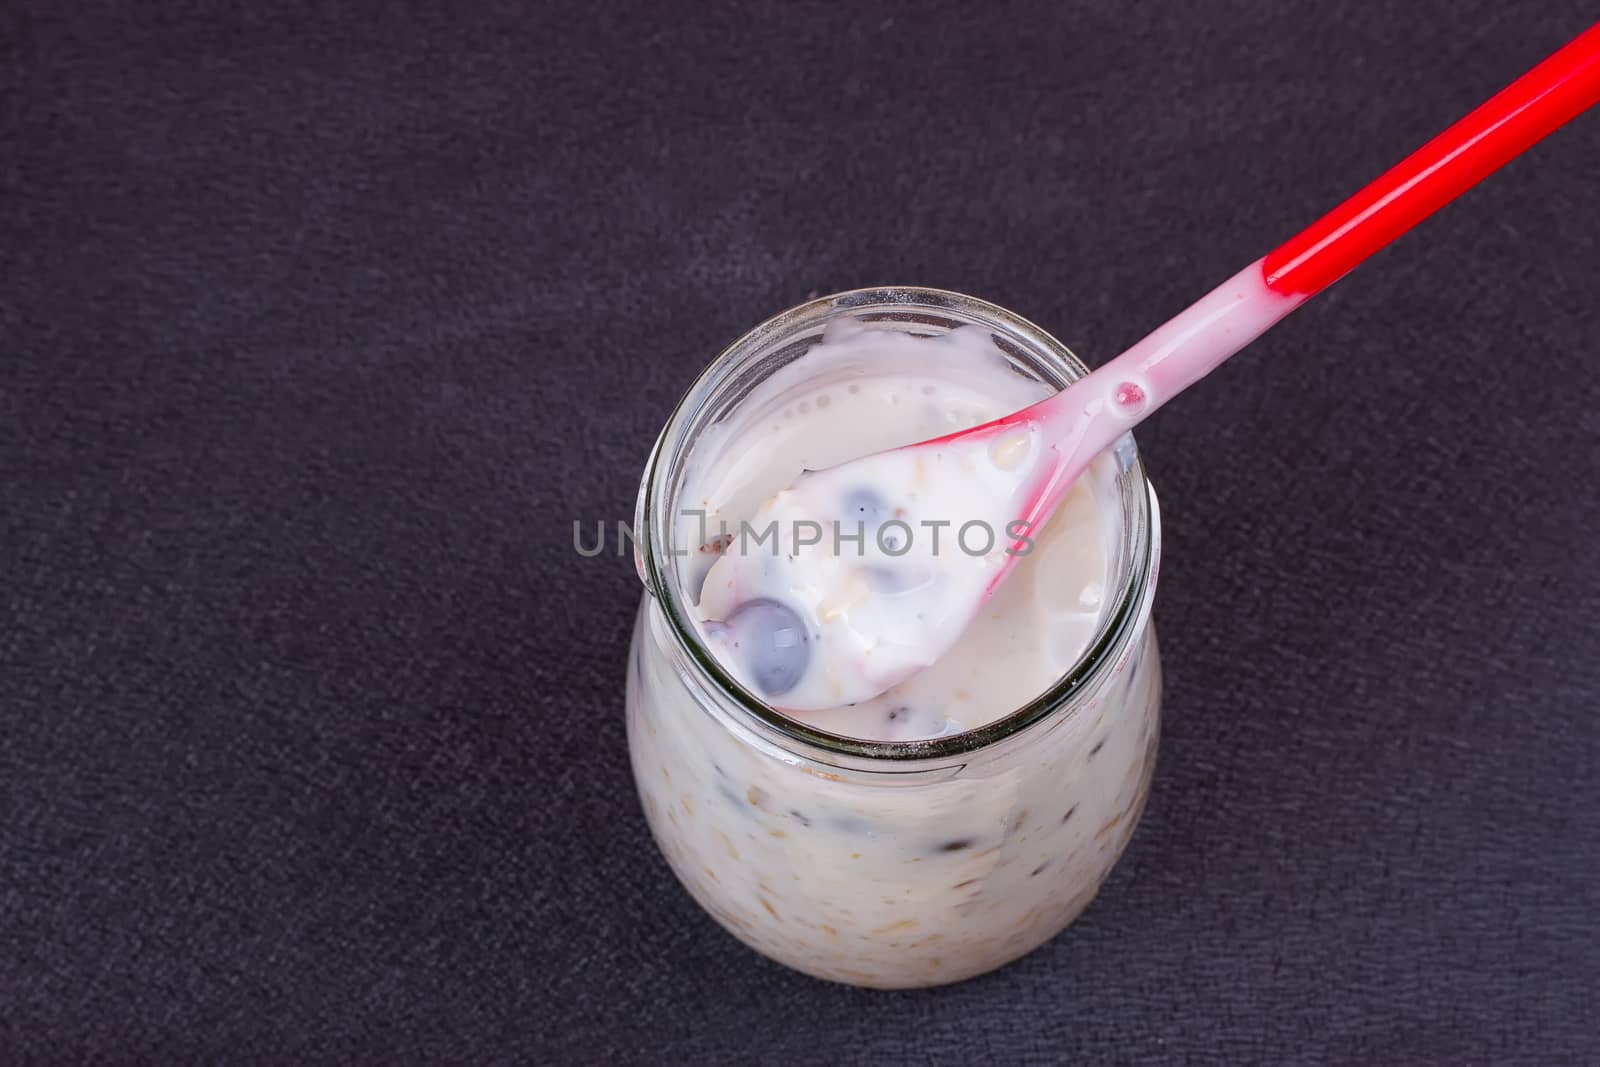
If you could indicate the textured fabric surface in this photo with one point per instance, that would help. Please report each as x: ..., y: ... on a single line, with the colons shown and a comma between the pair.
x: 320, y: 329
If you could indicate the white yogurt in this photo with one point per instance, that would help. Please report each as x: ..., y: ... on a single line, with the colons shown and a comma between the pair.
x: 877, y: 593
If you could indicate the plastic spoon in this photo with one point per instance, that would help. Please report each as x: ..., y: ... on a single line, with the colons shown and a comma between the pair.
x: 877, y: 618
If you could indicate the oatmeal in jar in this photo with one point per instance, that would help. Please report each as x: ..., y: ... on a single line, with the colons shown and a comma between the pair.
x: 966, y: 814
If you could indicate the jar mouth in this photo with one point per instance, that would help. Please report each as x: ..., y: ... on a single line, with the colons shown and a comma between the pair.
x: 1139, y: 529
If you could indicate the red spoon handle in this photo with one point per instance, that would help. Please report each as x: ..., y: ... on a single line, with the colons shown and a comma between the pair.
x: 1526, y: 111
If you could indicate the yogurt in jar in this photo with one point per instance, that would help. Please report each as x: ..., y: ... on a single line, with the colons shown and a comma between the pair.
x: 903, y: 871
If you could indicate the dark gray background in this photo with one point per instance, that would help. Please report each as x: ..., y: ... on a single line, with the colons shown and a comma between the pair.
x: 319, y: 331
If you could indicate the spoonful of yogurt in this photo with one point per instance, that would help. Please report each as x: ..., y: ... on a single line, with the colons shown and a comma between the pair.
x: 878, y: 564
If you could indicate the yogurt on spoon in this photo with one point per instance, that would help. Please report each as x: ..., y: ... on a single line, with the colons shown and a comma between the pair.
x: 842, y: 586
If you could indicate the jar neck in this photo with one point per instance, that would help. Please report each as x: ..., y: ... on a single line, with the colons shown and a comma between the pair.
x: 716, y: 394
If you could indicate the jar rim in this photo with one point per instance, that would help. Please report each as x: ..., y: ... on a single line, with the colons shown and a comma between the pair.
x: 1140, y: 531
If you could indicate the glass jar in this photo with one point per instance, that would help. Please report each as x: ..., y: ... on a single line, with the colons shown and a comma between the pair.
x: 889, y: 864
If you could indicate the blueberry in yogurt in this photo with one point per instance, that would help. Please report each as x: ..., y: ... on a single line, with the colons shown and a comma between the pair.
x: 770, y: 643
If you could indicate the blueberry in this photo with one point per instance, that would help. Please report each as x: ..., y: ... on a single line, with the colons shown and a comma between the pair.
x: 774, y: 644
